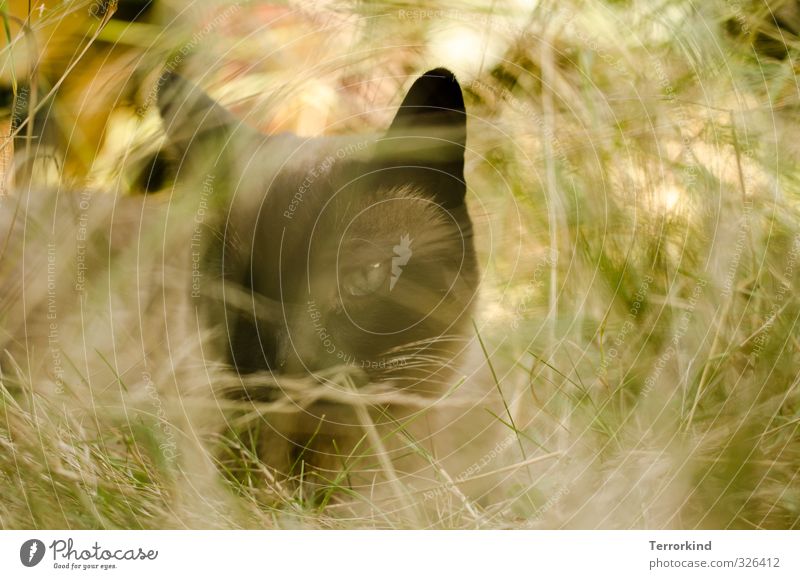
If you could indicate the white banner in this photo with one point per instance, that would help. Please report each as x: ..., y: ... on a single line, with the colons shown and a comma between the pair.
x: 400, y: 554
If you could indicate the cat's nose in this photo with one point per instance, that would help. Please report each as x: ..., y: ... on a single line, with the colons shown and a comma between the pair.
x: 297, y: 354
x: 288, y: 359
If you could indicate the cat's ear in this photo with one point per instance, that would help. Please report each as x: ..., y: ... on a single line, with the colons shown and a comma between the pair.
x: 189, y: 114
x: 425, y: 143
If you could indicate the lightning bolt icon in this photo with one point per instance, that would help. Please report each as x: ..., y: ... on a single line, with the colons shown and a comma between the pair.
x: 402, y: 253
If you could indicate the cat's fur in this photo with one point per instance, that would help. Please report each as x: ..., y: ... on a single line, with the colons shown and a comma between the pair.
x: 343, y: 262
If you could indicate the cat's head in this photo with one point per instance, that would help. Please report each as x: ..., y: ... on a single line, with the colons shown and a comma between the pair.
x: 356, y: 252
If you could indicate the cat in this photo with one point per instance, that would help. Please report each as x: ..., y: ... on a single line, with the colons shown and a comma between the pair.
x: 339, y: 259
x: 313, y: 228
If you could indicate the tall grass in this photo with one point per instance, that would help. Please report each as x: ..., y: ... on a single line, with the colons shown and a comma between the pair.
x: 633, y: 178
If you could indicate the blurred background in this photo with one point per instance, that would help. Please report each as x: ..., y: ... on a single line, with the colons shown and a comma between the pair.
x: 633, y: 174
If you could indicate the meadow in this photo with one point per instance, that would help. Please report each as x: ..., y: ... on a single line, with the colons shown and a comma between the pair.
x: 633, y: 178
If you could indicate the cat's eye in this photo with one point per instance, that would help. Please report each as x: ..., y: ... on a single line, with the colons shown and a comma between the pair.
x: 365, y: 280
